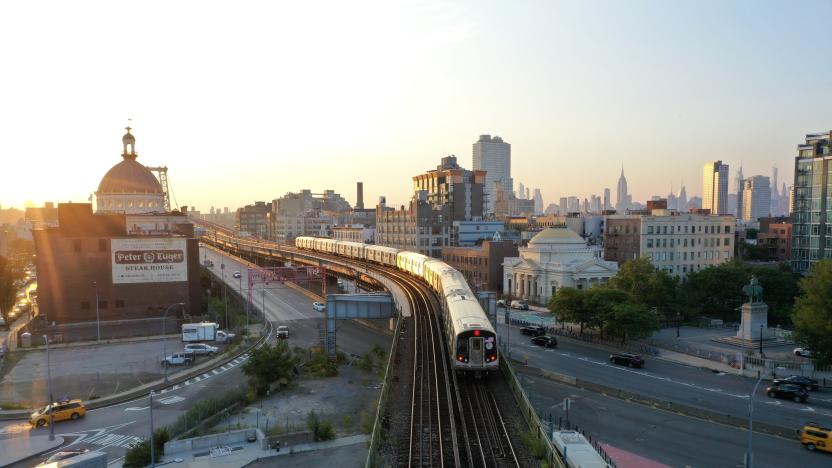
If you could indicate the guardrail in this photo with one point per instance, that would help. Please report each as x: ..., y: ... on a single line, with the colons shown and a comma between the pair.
x: 375, y: 438
x: 529, y: 414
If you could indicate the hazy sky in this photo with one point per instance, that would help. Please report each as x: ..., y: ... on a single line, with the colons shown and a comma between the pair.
x: 246, y: 101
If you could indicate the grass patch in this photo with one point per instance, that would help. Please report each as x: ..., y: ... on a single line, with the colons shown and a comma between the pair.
x: 536, y: 447
x: 12, y: 406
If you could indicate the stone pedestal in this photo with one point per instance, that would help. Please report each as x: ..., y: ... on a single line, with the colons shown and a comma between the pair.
x: 754, y: 315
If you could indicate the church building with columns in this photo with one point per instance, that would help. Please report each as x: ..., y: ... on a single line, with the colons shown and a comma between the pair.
x: 556, y: 257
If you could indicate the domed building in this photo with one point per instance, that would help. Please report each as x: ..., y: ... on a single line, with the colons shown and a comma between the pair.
x: 129, y: 187
x: 556, y: 257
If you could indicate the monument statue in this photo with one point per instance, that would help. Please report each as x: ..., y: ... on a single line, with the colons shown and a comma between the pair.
x: 753, y: 290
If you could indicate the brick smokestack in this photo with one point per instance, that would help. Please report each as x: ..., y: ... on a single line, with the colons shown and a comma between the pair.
x: 359, y: 202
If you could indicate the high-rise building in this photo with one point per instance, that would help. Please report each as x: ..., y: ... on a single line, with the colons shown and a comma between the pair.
x: 521, y: 192
x: 573, y: 205
x: 735, y: 204
x: 493, y: 155
x: 715, y: 187
x: 441, y: 196
x: 359, y: 196
x: 812, y: 231
x: 756, y: 197
x: 538, y: 201
x: 564, y: 205
x: 607, y: 202
x: 622, y: 201
x: 528, y: 194
x: 682, y: 202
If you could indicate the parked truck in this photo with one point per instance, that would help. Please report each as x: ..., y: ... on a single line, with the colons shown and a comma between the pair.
x: 203, y: 331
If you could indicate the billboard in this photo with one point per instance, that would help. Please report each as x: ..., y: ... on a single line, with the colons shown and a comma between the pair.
x: 144, y: 260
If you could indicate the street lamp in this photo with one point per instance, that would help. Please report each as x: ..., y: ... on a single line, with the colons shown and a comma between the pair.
x: 749, y: 454
x: 97, y: 316
x: 49, y: 388
x: 224, y: 293
x: 678, y: 323
x: 165, y: 341
x: 152, y: 442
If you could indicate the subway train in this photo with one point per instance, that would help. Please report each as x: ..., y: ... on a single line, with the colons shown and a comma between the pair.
x: 470, y: 338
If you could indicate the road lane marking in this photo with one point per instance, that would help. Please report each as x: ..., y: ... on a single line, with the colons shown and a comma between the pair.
x: 171, y: 400
x: 136, y: 408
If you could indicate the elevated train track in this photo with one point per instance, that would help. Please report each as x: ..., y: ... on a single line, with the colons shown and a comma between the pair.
x: 453, y: 421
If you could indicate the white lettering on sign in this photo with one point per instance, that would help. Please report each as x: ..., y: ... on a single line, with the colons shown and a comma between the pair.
x: 149, y: 260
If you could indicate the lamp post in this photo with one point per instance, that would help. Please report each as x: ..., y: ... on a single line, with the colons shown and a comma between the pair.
x: 152, y: 444
x: 761, y: 341
x: 165, y: 342
x: 49, y: 389
x: 749, y: 454
x: 224, y: 295
x: 97, y: 316
x: 678, y: 323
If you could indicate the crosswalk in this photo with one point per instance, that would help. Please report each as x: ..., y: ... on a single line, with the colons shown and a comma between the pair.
x: 226, y: 367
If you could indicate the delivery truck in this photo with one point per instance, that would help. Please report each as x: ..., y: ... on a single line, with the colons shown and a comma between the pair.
x: 203, y: 331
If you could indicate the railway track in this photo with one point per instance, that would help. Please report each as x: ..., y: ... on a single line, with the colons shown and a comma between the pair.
x: 452, y: 422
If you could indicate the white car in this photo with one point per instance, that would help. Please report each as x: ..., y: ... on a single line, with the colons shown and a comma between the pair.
x: 319, y: 306
x: 236, y: 274
x: 201, y: 349
x: 803, y: 352
x: 283, y: 332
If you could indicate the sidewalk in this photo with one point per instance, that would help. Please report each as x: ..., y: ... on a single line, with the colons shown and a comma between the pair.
x: 242, y: 454
x: 18, y: 449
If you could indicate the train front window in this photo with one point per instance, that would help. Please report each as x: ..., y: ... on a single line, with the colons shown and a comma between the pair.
x: 462, y: 347
x: 476, y: 345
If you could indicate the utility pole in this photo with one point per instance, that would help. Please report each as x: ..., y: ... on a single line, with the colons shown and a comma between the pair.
x: 152, y: 444
x: 49, y: 388
x: 749, y: 454
x: 97, y: 315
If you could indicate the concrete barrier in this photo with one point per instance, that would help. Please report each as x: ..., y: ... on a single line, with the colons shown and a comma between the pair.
x: 213, y: 440
x: 690, y: 411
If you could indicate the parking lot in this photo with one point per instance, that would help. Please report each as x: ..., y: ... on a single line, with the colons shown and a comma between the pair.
x: 86, y: 371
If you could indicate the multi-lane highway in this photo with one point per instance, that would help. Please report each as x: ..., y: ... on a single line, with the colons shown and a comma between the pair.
x: 669, y: 381
x: 114, y: 428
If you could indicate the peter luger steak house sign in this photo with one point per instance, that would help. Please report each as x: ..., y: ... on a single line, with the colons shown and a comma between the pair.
x: 149, y: 260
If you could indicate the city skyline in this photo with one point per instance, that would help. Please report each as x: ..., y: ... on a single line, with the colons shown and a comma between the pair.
x: 211, y: 109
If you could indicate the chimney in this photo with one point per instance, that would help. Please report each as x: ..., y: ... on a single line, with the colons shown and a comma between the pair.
x: 359, y: 202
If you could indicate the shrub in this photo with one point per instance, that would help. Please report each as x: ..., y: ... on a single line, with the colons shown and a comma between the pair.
x: 365, y: 363
x: 206, y: 408
x: 138, y: 455
x: 536, y: 448
x: 346, y: 422
x: 321, y: 428
x: 367, y: 422
x: 321, y: 366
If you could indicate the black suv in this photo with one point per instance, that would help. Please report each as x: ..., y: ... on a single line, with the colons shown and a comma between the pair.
x: 788, y: 392
x: 805, y: 382
x: 533, y: 330
x: 545, y: 341
x: 627, y: 359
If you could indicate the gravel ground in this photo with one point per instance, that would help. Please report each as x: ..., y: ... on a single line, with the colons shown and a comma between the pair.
x: 395, y: 423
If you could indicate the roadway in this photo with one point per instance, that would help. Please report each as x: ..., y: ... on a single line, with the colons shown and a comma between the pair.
x: 114, y: 428
x: 644, y: 437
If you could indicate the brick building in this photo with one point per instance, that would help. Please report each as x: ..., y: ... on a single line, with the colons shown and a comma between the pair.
x: 622, y: 238
x: 482, y: 266
x: 136, y: 276
x: 777, y: 240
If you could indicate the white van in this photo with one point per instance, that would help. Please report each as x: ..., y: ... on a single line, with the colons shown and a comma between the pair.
x: 520, y: 304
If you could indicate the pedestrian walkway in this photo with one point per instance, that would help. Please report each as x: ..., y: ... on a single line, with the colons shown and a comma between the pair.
x: 241, y: 454
x: 20, y: 448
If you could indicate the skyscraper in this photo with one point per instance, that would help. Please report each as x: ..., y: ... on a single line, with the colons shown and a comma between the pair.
x: 521, y: 192
x: 607, y: 202
x: 538, y: 201
x: 812, y: 189
x: 756, y: 197
x: 739, y: 187
x: 715, y: 187
x: 528, y: 194
x: 622, y: 201
x: 564, y: 206
x: 493, y: 155
x: 682, y: 202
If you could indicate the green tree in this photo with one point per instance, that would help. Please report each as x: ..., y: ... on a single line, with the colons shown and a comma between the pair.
x: 8, y: 290
x: 139, y: 455
x: 570, y: 305
x: 716, y: 291
x: 269, y: 364
x: 813, y: 311
x: 629, y: 320
x: 646, y: 285
x: 780, y: 289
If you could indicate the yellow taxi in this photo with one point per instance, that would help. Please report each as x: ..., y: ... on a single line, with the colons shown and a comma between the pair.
x: 816, y: 437
x: 61, y: 411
